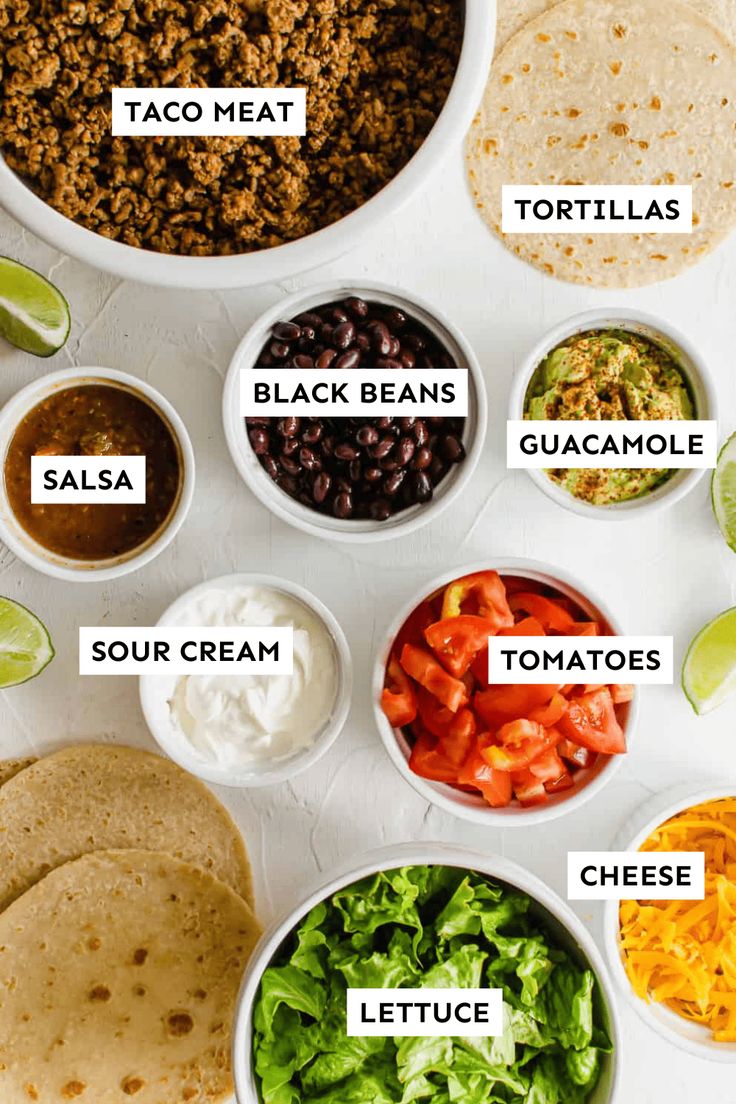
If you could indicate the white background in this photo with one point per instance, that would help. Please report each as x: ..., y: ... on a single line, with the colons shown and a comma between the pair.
x: 665, y: 574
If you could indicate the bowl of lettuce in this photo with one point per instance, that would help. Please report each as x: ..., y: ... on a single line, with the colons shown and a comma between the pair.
x: 439, y: 917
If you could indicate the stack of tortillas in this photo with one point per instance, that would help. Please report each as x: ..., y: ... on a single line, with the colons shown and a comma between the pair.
x: 611, y: 92
x: 125, y: 928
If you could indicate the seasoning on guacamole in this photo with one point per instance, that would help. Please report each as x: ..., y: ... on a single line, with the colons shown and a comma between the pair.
x: 94, y: 420
x: 601, y: 375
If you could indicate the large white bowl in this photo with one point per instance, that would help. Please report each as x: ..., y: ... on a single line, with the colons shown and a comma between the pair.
x: 468, y: 806
x: 687, y: 357
x: 557, y: 916
x: 282, y: 261
x: 157, y: 690
x: 294, y: 512
x: 683, y: 1034
x: 91, y: 571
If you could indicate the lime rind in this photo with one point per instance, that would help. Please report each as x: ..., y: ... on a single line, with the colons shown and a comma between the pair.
x: 25, y: 644
x: 709, y: 668
x: 34, y: 315
x: 723, y: 492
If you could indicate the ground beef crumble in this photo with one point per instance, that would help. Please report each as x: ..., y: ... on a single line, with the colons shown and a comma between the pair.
x: 377, y: 73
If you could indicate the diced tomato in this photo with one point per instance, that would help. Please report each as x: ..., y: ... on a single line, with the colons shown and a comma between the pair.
x: 519, y: 744
x: 590, y: 720
x: 499, y: 704
x: 579, y: 756
x: 455, y: 731
x: 412, y: 631
x: 457, y: 640
x: 479, y: 667
x: 548, y: 766
x: 623, y: 692
x: 550, y: 614
x: 550, y: 714
x: 424, y: 669
x: 528, y: 790
x: 489, y: 594
x: 585, y: 628
x: 494, y: 785
x: 429, y: 760
x: 398, y: 700
x: 528, y: 626
x: 564, y: 782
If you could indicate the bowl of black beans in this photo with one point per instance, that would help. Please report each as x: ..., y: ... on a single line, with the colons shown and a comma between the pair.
x: 367, y: 477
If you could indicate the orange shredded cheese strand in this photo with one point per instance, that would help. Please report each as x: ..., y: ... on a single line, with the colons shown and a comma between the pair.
x: 683, y: 953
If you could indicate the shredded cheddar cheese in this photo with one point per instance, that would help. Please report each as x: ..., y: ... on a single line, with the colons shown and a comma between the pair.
x: 683, y: 953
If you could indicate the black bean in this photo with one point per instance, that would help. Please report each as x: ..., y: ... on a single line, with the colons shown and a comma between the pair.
x: 380, y: 509
x: 344, y: 335
x: 414, y: 341
x: 279, y: 350
x: 309, y: 460
x: 270, y: 465
x: 287, y: 331
x: 355, y: 471
x: 407, y: 358
x: 363, y: 341
x: 389, y: 363
x: 381, y: 448
x: 288, y: 427
x: 421, y: 434
x: 367, y: 435
x: 384, y: 423
x: 289, y: 446
x: 303, y: 362
x: 309, y: 318
x: 321, y: 487
x: 437, y: 470
x: 260, y: 441
x: 343, y: 505
x: 405, y: 450
x: 392, y: 483
x: 257, y: 421
x: 350, y: 359
x: 406, y: 423
x: 289, y: 464
x: 357, y: 307
x: 339, y: 315
x: 325, y: 359
x: 452, y: 449
x: 313, y: 433
x: 395, y: 347
x: 422, y: 487
x: 373, y: 475
x: 396, y: 318
x: 422, y: 459
x: 346, y: 451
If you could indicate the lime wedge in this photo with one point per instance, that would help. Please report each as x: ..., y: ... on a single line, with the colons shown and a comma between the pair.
x: 25, y: 645
x: 709, y: 670
x: 723, y: 491
x: 34, y: 315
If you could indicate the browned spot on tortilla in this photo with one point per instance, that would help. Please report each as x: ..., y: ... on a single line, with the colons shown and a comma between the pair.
x: 619, y: 129
x: 615, y: 67
x: 179, y: 1023
x: 99, y: 993
x: 553, y: 140
x: 572, y: 113
x: 658, y: 256
x: 542, y: 37
x: 132, y: 1085
x: 140, y: 956
x: 655, y: 103
x: 72, y: 1089
x: 643, y: 145
x: 620, y: 30
x: 507, y: 78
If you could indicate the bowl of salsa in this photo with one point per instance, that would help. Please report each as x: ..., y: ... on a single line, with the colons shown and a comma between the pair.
x: 102, y: 415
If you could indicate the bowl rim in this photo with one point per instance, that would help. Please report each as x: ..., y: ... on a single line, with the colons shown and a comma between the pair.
x: 421, y: 853
x: 668, y: 1025
x: 30, y: 551
x: 691, y: 362
x: 443, y: 795
x: 278, y: 262
x: 303, y: 517
x: 176, y: 749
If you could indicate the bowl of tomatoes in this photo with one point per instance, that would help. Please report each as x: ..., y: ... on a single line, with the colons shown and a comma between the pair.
x: 490, y: 753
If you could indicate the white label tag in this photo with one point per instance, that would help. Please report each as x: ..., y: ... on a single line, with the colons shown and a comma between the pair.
x: 163, y: 650
x: 633, y: 875
x: 88, y: 479
x: 417, y: 1012
x: 382, y: 393
x: 611, y: 444
x: 597, y: 208
x: 209, y: 112
x: 590, y: 659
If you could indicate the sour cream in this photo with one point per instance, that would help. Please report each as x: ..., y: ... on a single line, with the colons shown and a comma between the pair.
x: 238, y: 721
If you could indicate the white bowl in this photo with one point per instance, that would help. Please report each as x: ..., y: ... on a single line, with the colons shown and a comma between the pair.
x: 91, y: 571
x: 558, y: 917
x: 156, y: 691
x: 687, y: 357
x: 691, y: 1037
x: 467, y: 806
x: 294, y: 512
x: 283, y: 261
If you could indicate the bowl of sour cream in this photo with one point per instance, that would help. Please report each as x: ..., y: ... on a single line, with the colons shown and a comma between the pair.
x: 253, y: 729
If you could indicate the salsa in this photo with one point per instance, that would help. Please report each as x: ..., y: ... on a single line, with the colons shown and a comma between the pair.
x: 94, y: 420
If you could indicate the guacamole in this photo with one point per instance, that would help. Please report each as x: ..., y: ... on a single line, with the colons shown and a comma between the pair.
x: 608, y: 374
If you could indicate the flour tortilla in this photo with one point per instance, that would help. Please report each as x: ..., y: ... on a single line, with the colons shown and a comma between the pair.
x: 10, y: 767
x: 611, y: 92
x: 99, y: 797
x: 512, y: 15
x: 119, y: 974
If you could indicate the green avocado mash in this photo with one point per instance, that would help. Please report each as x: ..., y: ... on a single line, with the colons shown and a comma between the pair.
x: 608, y: 374
x: 438, y: 927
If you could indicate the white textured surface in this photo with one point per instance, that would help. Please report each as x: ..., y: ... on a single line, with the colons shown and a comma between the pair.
x: 664, y: 574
